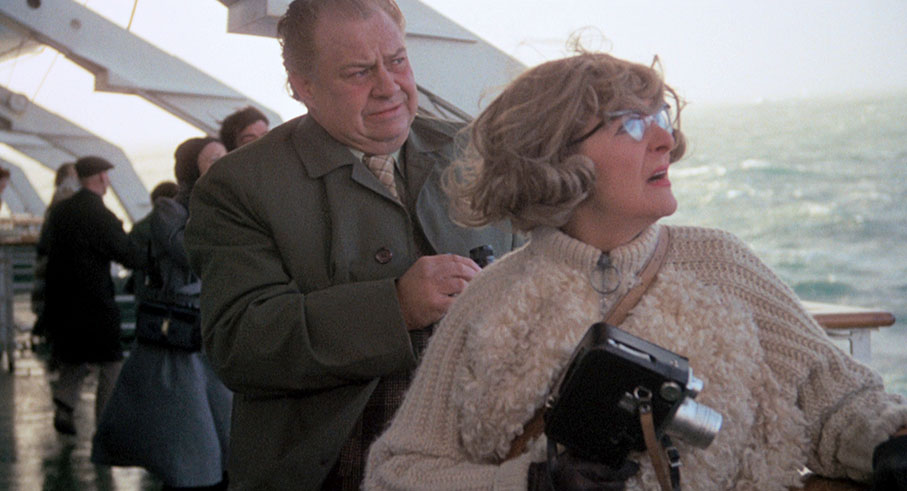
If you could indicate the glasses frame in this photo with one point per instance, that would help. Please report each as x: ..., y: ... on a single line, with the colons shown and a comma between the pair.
x: 664, y: 123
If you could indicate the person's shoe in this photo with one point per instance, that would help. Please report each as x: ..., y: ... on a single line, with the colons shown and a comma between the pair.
x: 63, y: 421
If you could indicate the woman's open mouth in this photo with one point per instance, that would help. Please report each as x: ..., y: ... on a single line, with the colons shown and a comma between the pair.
x: 658, y: 175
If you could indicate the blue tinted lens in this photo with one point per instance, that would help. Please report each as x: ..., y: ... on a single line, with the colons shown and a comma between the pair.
x: 663, y: 119
x: 635, y: 126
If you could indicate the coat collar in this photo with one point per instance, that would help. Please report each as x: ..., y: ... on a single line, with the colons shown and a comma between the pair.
x: 89, y: 194
x: 321, y: 153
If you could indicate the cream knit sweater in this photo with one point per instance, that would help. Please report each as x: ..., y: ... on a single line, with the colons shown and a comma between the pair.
x: 790, y: 398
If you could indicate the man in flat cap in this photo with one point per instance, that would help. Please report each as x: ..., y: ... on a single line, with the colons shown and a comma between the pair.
x: 80, y: 238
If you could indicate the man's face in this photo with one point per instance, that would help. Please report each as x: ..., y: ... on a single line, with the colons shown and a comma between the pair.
x: 361, y: 89
x: 105, y: 181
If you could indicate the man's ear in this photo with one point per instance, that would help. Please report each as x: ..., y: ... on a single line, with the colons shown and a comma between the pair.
x: 302, y: 87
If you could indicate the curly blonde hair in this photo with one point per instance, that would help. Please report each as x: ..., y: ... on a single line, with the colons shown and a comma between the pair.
x: 520, y: 165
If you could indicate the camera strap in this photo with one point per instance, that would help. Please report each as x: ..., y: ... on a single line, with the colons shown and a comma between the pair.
x: 665, y: 457
x: 622, y: 307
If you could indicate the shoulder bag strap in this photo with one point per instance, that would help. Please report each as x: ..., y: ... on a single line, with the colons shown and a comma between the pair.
x: 622, y: 307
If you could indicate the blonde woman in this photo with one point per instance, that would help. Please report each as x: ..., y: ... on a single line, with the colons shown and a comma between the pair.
x: 577, y: 153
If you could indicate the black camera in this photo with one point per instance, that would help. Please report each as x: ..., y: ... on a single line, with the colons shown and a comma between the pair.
x: 483, y: 255
x: 593, y: 411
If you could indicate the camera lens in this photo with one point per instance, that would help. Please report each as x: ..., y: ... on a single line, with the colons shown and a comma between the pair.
x: 695, y: 423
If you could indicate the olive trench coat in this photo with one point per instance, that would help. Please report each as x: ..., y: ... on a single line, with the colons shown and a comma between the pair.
x: 298, y: 246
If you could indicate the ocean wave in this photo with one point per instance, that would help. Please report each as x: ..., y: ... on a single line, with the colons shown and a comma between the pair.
x: 821, y: 204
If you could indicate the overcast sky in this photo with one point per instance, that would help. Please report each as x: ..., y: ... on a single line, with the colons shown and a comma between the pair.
x: 718, y: 49
x: 711, y: 50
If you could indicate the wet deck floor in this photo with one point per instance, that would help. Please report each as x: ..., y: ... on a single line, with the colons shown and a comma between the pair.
x: 33, y: 456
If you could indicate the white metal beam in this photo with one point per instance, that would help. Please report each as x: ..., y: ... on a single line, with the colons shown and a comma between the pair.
x: 53, y: 140
x: 20, y: 196
x: 453, y: 66
x: 255, y: 17
x: 451, y: 62
x: 122, y: 62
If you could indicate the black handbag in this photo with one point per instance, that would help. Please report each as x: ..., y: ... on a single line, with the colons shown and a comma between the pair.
x: 173, y: 326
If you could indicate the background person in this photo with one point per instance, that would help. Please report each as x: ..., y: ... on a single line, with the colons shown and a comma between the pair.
x: 577, y: 152
x: 169, y: 413
x: 322, y: 283
x: 80, y: 239
x: 140, y: 235
x: 66, y: 183
x: 243, y: 126
x: 4, y: 178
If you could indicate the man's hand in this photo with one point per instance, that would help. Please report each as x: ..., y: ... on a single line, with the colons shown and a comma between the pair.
x: 429, y: 286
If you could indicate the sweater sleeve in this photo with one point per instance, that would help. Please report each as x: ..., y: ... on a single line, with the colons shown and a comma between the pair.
x: 110, y: 238
x: 168, y: 226
x: 844, y: 402
x: 422, y: 448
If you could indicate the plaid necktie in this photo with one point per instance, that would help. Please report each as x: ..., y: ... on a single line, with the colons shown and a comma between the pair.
x: 383, y: 168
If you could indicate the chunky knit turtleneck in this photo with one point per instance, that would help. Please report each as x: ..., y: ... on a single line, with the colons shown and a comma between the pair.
x: 624, y: 263
x: 790, y: 398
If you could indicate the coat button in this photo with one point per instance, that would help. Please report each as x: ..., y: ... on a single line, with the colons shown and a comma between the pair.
x: 384, y: 255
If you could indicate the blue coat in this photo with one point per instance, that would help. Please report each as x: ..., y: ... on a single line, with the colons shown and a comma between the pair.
x: 168, y: 412
x: 298, y: 246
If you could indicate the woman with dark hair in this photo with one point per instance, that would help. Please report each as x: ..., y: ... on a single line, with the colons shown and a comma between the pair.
x: 4, y: 178
x: 243, y: 126
x: 577, y: 153
x: 169, y: 412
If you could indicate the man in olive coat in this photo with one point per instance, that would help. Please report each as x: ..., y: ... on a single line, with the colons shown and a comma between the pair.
x: 80, y: 239
x: 320, y: 283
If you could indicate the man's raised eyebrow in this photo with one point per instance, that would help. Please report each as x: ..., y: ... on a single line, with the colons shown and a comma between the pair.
x: 357, y: 65
x: 369, y: 64
x: 401, y: 51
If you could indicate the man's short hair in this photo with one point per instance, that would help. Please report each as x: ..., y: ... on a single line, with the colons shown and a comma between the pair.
x: 296, y: 29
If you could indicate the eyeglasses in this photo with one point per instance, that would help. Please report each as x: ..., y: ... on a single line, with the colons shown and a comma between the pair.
x: 634, y: 123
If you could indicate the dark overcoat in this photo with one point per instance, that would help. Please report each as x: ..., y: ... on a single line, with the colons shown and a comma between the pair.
x: 80, y: 239
x: 298, y: 245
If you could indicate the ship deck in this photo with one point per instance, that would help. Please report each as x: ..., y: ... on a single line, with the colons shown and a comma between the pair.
x: 33, y: 456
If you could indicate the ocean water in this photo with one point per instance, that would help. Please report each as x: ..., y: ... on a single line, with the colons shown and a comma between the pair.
x: 818, y: 188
